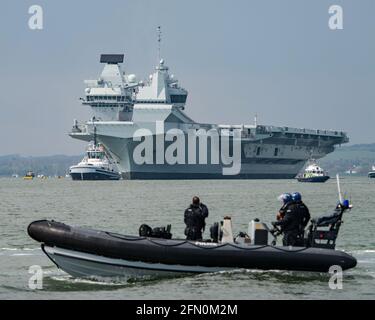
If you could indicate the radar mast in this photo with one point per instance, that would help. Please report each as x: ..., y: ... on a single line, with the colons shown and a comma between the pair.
x: 159, y: 43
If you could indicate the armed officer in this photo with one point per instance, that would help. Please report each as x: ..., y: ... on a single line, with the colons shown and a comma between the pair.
x: 194, y: 219
x: 303, y: 211
x: 286, y: 200
x: 289, y: 220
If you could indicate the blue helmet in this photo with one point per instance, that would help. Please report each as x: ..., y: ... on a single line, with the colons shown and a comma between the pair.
x: 285, y: 198
x: 296, y: 196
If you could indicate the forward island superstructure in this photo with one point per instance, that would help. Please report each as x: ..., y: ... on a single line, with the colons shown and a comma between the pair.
x: 127, y: 112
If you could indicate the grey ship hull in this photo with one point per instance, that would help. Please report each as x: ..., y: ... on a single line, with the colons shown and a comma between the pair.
x: 202, y: 176
x: 252, y: 167
x: 290, y: 159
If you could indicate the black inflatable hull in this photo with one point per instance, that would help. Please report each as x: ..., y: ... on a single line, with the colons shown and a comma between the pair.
x: 81, y: 251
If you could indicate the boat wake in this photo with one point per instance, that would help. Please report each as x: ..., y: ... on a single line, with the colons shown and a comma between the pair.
x: 364, y: 256
x: 20, y: 251
x: 92, y: 281
x: 65, y: 282
x: 277, y: 275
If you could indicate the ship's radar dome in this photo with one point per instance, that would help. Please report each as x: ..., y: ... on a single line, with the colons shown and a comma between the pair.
x: 132, y: 78
x: 162, y: 61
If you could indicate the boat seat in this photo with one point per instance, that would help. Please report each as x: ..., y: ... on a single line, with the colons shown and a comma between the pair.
x: 327, y: 219
x: 323, y: 231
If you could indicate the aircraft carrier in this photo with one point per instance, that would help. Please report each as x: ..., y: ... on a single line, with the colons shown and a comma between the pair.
x: 132, y: 119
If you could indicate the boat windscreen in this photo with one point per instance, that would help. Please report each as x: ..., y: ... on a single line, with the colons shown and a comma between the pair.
x: 95, y: 155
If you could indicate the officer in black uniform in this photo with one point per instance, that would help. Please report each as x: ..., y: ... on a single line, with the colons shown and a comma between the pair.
x: 303, y: 210
x: 194, y: 219
x: 289, y: 221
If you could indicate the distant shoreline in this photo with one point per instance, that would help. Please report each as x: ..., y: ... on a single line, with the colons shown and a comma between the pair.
x: 358, y: 157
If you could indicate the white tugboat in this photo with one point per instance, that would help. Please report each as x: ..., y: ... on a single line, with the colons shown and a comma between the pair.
x: 371, y: 174
x: 96, y: 165
x: 313, y: 173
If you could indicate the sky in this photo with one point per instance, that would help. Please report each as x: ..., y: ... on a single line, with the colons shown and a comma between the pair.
x: 237, y: 58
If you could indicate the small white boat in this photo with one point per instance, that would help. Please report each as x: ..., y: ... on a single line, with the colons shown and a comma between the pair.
x: 30, y: 175
x: 313, y: 173
x: 96, y: 165
x: 371, y: 174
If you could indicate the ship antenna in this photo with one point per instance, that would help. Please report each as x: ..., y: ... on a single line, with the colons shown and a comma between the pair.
x: 159, y: 44
x: 256, y: 120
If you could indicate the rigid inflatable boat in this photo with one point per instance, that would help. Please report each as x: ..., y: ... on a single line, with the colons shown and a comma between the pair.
x: 83, y: 252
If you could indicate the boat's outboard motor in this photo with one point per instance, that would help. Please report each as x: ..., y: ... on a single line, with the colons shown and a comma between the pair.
x: 159, y: 232
x: 323, y: 231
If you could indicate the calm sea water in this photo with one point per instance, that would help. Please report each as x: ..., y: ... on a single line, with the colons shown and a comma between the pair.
x: 123, y: 206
